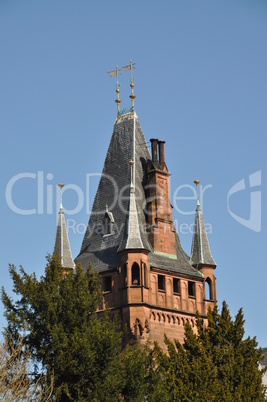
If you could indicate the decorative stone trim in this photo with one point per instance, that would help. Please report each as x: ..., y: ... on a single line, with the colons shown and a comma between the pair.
x: 167, y: 318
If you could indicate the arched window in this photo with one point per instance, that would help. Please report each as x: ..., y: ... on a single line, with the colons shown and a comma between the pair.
x: 145, y: 275
x: 138, y: 330
x: 135, y: 274
x: 208, y: 289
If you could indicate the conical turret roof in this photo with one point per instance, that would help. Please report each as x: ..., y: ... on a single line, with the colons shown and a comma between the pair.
x: 200, y: 252
x: 62, y: 245
x: 114, y: 191
x: 132, y: 237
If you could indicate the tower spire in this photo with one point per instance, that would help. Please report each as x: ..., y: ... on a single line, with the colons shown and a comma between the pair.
x: 127, y: 68
x: 62, y: 245
x: 112, y: 74
x: 200, y: 251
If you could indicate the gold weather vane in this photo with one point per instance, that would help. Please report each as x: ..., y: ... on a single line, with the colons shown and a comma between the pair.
x: 116, y: 73
x: 127, y: 68
x: 61, y: 185
x: 197, y: 183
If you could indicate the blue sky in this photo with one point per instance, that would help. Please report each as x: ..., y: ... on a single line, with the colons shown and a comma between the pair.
x: 200, y: 84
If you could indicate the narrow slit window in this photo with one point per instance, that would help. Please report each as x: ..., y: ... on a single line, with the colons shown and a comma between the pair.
x: 191, y: 289
x: 107, y: 283
x: 208, y: 289
x: 176, y: 285
x: 145, y: 275
x: 135, y: 274
x: 161, y: 282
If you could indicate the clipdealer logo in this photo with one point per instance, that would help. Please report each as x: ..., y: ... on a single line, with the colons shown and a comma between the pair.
x: 48, y: 195
x: 48, y: 198
x: 254, y: 220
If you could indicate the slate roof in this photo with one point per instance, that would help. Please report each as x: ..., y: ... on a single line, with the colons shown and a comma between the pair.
x: 200, y: 252
x: 126, y: 200
x: 62, y: 245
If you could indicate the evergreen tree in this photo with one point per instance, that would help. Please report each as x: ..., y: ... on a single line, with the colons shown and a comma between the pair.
x: 79, y: 349
x: 76, y: 347
x: 237, y: 359
x: 142, y: 378
x: 216, y: 364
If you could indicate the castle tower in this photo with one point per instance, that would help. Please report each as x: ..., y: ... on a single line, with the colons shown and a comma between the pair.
x: 147, y: 278
x: 62, y: 245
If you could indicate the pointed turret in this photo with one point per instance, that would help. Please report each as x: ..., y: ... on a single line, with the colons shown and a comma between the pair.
x: 202, y: 259
x: 62, y: 245
x: 132, y: 238
x: 200, y: 252
x: 115, y: 190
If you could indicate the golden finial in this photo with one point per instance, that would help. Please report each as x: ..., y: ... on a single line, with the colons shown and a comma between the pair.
x: 131, y: 163
x: 197, y: 183
x: 127, y: 68
x: 61, y: 185
x: 112, y: 74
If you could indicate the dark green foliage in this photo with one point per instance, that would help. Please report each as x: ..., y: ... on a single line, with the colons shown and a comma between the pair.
x: 135, y: 366
x: 215, y: 365
x: 142, y: 378
x: 80, y: 349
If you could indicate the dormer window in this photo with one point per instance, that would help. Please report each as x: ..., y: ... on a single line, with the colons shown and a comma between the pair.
x: 108, y: 222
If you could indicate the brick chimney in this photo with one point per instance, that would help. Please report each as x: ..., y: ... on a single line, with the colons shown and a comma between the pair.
x: 161, y: 154
x: 159, y: 210
x: 154, y: 149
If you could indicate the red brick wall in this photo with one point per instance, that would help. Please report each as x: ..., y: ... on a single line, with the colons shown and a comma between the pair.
x: 150, y: 312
